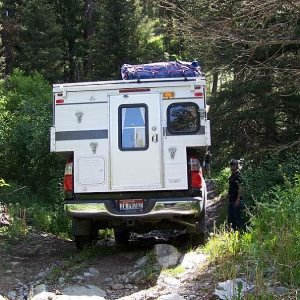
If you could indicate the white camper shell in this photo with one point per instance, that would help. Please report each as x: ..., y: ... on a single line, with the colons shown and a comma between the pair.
x: 132, y: 149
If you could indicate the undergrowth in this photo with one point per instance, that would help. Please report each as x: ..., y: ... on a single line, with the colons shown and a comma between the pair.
x: 268, y: 253
x: 26, y: 210
x: 221, y: 181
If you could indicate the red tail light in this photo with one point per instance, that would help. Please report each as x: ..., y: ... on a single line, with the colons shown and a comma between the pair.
x: 196, y: 180
x: 196, y: 173
x: 68, y: 178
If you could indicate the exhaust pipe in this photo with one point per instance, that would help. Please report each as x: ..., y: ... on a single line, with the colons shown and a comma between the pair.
x: 190, y: 226
x: 130, y: 222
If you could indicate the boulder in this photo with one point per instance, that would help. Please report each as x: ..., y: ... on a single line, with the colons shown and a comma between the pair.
x: 167, y: 255
x: 12, y: 295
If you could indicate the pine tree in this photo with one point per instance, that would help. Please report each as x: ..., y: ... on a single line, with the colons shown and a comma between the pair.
x: 70, y: 15
x: 9, y: 32
x: 116, y: 38
x: 2, y: 59
x: 41, y: 46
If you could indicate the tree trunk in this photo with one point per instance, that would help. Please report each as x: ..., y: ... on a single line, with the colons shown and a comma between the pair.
x: 89, y: 32
x: 215, y: 82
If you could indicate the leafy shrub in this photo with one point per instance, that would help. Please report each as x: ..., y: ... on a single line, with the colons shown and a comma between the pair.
x: 276, y: 231
x: 275, y: 169
x: 25, y: 119
x: 222, y: 181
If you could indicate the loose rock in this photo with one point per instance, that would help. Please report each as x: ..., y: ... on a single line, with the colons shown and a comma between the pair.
x: 88, y: 290
x: 12, y: 295
x: 231, y: 289
x: 135, y: 277
x: 93, y: 271
x: 39, y: 289
x: 278, y: 290
x: 167, y: 255
x: 171, y: 281
x: 170, y: 297
x: 129, y: 286
x: 44, y: 296
x: 141, y: 262
x: 117, y: 286
x: 61, y: 280
x: 192, y: 260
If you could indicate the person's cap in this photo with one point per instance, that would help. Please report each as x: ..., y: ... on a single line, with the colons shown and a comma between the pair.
x: 234, y: 162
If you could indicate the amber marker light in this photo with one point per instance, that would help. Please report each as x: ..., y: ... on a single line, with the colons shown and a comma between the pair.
x: 168, y: 95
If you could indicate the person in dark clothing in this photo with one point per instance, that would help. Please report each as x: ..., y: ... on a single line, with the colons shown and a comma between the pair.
x: 207, y: 161
x: 235, y: 190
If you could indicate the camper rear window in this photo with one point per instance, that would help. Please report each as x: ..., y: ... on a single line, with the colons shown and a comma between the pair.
x: 133, y: 127
x: 183, y: 118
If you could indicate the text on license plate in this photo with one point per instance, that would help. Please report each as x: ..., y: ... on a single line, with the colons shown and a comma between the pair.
x: 131, y: 205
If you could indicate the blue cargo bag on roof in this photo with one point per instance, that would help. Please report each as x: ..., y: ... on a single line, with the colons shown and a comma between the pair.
x: 170, y: 69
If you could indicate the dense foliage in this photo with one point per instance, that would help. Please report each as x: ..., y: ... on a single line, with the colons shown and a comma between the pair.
x: 78, y: 40
x: 250, y: 50
x: 25, y: 117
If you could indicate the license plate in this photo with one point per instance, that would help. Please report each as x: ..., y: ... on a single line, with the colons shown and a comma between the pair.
x: 131, y: 205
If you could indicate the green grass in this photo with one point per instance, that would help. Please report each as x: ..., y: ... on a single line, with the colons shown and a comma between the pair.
x: 173, y: 271
x: 149, y: 269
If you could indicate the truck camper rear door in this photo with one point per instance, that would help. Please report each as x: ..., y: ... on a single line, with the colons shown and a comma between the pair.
x: 135, y: 142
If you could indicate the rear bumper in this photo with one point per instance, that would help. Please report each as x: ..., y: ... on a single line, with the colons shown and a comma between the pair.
x: 156, y: 209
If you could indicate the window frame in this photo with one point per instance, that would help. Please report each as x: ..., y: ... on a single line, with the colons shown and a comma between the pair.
x: 197, y: 118
x: 138, y: 105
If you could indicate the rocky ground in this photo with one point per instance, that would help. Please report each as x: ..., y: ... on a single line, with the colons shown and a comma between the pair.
x: 46, y: 267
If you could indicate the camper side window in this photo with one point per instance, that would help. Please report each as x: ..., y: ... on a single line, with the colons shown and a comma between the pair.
x: 183, y: 118
x: 133, y: 124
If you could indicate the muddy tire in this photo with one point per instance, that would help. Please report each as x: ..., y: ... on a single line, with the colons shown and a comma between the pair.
x: 82, y: 241
x: 121, y: 236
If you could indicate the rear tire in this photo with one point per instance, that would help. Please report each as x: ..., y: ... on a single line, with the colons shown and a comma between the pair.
x: 83, y: 241
x: 121, y: 236
x: 85, y: 232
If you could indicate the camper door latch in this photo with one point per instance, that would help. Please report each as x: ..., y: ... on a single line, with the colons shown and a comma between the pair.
x: 172, y: 151
x: 79, y: 115
x: 94, y: 147
x: 155, y: 138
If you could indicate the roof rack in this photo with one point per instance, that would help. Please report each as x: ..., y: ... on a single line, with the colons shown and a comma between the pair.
x: 110, y: 82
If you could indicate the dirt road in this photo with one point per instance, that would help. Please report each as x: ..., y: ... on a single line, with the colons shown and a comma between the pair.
x: 45, y: 262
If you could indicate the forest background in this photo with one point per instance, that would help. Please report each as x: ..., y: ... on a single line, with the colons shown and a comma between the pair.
x: 249, y: 51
